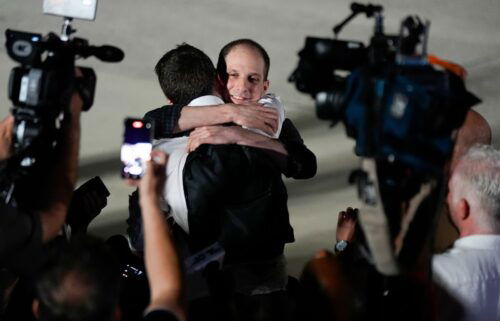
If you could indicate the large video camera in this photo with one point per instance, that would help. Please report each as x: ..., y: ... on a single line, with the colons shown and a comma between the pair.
x: 41, y: 87
x: 393, y: 102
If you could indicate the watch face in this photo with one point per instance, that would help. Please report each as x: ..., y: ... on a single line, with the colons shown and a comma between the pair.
x: 341, y: 245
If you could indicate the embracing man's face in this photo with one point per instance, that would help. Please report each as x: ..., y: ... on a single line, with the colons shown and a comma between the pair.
x: 245, y: 69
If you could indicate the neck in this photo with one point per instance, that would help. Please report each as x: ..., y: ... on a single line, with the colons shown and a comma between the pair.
x: 475, y: 229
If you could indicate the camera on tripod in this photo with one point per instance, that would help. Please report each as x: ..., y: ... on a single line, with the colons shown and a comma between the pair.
x: 41, y: 87
x: 395, y: 104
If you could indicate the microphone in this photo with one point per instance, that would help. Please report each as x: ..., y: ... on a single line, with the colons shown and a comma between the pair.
x: 105, y: 53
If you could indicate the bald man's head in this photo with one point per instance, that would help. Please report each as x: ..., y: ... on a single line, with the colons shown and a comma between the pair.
x: 475, y: 130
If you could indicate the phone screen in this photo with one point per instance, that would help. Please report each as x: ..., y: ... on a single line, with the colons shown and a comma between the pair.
x: 136, y: 148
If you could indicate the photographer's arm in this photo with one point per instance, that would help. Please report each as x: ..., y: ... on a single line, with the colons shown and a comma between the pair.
x: 64, y: 175
x: 163, y: 265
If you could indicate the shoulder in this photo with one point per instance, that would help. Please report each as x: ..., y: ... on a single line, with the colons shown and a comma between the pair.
x: 158, y: 112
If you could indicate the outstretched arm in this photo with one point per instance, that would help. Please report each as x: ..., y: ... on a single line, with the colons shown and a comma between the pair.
x: 162, y: 262
x: 289, y: 153
x: 251, y: 116
x: 173, y: 119
x: 232, y: 135
x: 64, y: 175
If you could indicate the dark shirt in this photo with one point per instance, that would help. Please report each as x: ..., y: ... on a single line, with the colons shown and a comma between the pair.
x: 159, y: 315
x: 21, y: 247
x: 299, y: 164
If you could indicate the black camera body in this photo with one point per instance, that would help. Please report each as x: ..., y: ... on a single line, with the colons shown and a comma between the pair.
x: 40, y: 88
x: 391, y: 100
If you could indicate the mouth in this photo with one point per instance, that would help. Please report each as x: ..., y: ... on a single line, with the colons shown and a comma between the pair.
x: 239, y: 99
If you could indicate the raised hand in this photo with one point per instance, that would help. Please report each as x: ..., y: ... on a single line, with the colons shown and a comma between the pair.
x: 346, y: 224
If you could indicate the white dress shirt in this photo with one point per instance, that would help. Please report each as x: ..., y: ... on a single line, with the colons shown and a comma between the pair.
x: 470, y: 272
x: 176, y: 148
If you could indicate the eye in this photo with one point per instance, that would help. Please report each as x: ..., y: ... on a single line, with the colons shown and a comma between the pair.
x: 254, y: 79
x: 232, y: 75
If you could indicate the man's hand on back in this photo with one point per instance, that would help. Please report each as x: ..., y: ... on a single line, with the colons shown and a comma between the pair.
x: 216, y: 135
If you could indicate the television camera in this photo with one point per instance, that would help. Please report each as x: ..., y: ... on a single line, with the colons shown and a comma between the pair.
x: 393, y: 102
x: 40, y: 87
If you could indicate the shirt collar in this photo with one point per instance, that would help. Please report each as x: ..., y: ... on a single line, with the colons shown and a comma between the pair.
x: 206, y: 101
x: 479, y: 241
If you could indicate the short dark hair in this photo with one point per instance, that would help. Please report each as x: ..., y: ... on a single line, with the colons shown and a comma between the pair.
x: 221, y: 62
x: 90, y: 265
x: 185, y: 73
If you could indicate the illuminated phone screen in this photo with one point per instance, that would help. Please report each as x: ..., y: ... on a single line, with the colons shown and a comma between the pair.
x: 136, y: 148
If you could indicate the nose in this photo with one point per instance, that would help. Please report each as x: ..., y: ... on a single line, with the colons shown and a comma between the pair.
x: 242, y: 85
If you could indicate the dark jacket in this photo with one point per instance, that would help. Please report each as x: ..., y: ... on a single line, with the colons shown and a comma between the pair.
x: 235, y: 195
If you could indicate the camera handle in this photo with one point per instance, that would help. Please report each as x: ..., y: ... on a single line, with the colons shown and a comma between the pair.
x: 357, y: 8
x: 67, y: 29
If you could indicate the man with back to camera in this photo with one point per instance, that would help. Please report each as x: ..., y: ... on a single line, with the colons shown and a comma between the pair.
x: 233, y: 194
x: 249, y: 65
x: 475, y: 130
x: 468, y: 273
x: 470, y: 270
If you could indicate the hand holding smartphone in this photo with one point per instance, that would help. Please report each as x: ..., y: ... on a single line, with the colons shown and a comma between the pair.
x: 136, y: 148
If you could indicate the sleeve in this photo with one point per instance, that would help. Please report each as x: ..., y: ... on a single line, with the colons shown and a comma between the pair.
x: 273, y: 101
x: 21, y: 247
x: 301, y: 162
x: 165, y: 120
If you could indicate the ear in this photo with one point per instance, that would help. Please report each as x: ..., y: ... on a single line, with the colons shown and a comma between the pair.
x: 221, y: 89
x: 266, y: 85
x: 463, y: 209
x: 35, y: 308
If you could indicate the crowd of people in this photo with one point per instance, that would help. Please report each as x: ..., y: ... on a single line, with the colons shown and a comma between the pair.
x: 209, y: 223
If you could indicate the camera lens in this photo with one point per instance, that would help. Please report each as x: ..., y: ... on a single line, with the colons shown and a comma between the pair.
x: 329, y: 104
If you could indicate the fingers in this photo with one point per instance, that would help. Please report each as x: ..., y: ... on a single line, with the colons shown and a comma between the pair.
x: 349, y: 213
x: 205, y: 135
x: 194, y: 139
x: 257, y: 117
x: 349, y: 217
x: 159, y: 157
x: 132, y: 182
x: 193, y: 143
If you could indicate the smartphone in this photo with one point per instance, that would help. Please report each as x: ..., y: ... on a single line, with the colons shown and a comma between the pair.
x: 136, y: 148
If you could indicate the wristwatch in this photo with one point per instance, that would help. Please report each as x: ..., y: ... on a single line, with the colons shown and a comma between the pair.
x: 341, y: 245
